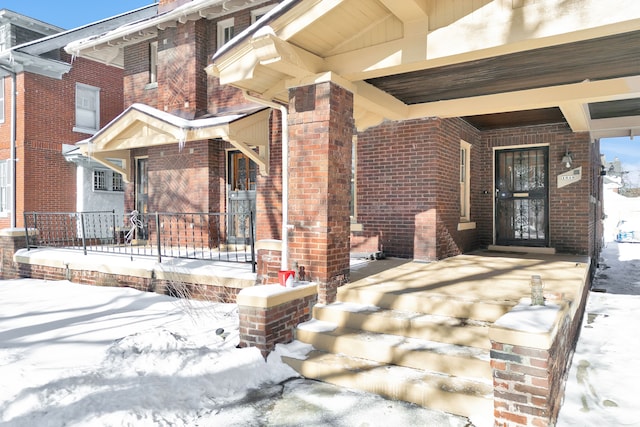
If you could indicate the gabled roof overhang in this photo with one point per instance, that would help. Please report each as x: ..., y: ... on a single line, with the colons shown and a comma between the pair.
x: 141, y: 126
x: 395, y: 56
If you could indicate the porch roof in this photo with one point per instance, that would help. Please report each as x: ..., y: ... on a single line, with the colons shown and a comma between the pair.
x: 494, y: 63
x: 142, y: 126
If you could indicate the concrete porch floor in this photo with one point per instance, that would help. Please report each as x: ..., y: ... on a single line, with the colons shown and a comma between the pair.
x: 478, y: 276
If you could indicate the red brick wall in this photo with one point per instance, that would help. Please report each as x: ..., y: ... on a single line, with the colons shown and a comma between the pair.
x: 320, y: 130
x: 569, y: 207
x: 408, y: 187
x: 136, y: 77
x: 45, y: 121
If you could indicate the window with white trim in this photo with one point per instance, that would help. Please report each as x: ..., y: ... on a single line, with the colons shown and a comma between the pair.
x: 5, y: 185
x: 2, y: 100
x: 100, y: 179
x: 107, y: 180
x: 153, y: 62
x: 87, y: 109
x: 259, y: 13
x: 225, y: 31
x: 465, y: 181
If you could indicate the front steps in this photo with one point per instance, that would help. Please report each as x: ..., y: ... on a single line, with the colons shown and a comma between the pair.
x: 416, y: 346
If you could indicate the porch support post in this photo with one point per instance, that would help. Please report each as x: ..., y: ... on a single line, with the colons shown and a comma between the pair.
x: 320, y: 141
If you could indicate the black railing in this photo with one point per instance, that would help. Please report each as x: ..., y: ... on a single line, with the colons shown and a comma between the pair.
x: 201, y: 235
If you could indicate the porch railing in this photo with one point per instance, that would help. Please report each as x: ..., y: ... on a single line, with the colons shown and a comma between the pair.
x: 200, y: 235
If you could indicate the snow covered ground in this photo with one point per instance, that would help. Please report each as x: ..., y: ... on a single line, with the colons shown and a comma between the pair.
x: 77, y: 355
x: 604, y: 380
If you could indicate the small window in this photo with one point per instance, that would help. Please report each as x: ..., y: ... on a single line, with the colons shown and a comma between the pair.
x: 87, y: 109
x: 5, y: 185
x: 259, y: 13
x: 153, y: 62
x: 465, y: 181
x: 100, y: 180
x: 2, y: 100
x: 225, y: 31
x: 116, y: 182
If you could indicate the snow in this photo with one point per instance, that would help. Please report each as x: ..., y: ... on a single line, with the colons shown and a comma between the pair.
x: 525, y: 317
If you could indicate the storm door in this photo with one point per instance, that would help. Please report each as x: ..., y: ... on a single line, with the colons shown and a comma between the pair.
x: 522, y: 200
x: 242, y: 197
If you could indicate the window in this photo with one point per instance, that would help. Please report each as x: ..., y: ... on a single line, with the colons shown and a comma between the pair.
x: 87, y: 109
x: 225, y: 31
x: 259, y: 13
x: 2, y: 100
x: 116, y: 182
x: 153, y: 62
x: 5, y: 185
x: 107, y: 180
x: 99, y: 179
x: 465, y: 187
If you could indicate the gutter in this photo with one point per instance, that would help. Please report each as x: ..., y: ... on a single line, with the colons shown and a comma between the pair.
x: 284, y: 263
x: 12, y: 162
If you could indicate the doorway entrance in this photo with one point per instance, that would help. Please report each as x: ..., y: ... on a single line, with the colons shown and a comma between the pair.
x: 142, y: 197
x: 241, y: 197
x: 522, y: 197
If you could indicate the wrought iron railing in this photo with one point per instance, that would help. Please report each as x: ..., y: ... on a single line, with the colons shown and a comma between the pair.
x: 200, y: 235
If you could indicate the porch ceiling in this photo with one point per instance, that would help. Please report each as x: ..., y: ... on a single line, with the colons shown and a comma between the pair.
x: 142, y: 126
x: 495, y: 63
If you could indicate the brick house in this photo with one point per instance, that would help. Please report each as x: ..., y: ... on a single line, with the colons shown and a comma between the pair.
x: 404, y: 135
x: 37, y: 78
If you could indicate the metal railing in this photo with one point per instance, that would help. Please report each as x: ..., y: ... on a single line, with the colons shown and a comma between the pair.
x: 200, y: 235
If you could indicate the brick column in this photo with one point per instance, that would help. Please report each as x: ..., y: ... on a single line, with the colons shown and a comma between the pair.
x: 11, y: 240
x: 531, y: 349
x: 320, y: 132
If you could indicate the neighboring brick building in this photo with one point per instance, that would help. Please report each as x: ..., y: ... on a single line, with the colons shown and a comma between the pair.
x: 57, y: 101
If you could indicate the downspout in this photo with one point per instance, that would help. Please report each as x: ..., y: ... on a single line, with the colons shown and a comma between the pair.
x: 284, y: 264
x: 12, y: 161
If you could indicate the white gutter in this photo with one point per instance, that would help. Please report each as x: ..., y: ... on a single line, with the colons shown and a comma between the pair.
x: 284, y: 263
x: 12, y: 161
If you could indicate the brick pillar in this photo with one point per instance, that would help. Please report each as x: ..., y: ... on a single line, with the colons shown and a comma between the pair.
x: 320, y: 132
x: 11, y: 240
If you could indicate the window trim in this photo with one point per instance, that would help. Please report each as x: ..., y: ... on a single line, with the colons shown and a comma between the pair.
x: 222, y: 27
x: 5, y: 188
x: 108, y: 181
x: 96, y: 91
x: 465, y: 187
x: 2, y: 100
x: 153, y: 62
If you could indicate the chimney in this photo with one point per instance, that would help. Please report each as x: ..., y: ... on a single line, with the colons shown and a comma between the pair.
x: 167, y: 5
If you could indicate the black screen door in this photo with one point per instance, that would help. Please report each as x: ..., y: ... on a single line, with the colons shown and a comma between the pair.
x: 522, y: 208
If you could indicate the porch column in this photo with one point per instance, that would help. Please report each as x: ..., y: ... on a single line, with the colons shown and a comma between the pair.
x: 320, y: 139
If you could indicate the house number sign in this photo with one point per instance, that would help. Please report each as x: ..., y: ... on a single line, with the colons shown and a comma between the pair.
x: 570, y: 177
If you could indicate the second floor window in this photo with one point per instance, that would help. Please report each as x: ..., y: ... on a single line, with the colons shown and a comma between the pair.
x: 87, y: 108
x: 225, y: 31
x: 153, y: 62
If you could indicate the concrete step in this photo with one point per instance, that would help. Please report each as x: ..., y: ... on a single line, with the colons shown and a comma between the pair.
x: 425, y: 302
x: 398, y: 350
x: 454, y: 395
x: 450, y: 330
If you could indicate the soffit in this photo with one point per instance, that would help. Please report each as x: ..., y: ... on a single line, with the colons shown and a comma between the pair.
x: 491, y: 60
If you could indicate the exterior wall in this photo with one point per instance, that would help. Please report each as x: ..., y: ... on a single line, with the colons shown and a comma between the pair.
x: 45, y: 181
x: 320, y: 138
x: 570, y: 218
x: 408, y: 188
x: 408, y: 191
